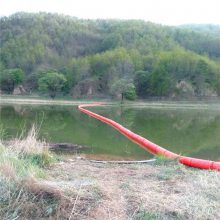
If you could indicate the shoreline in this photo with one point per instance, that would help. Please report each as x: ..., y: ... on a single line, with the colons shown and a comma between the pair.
x: 203, y: 104
x: 38, y: 101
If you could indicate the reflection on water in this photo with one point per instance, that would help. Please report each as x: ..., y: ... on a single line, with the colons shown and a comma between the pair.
x: 191, y: 132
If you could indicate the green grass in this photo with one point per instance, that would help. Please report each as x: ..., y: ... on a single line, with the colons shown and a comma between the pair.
x: 143, y: 214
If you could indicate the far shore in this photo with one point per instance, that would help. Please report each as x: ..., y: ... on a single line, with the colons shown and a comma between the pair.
x: 38, y: 100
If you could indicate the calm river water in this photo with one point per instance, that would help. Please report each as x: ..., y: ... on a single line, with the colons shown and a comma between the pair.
x: 188, y: 131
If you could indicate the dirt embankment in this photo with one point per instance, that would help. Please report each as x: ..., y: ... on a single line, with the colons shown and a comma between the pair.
x: 163, y: 190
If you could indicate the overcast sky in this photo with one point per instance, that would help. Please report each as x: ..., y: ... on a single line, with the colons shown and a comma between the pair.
x: 170, y: 12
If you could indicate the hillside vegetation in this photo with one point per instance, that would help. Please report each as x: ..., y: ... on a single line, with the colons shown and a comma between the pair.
x: 51, y: 54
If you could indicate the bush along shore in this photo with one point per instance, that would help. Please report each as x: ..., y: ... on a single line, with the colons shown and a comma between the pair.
x: 37, y: 184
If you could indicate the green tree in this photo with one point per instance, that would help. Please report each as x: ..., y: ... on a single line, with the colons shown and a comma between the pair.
x: 9, y: 78
x: 130, y: 92
x: 217, y: 84
x: 201, y: 76
x: 161, y: 82
x: 124, y: 88
x: 52, y: 83
x: 142, y: 83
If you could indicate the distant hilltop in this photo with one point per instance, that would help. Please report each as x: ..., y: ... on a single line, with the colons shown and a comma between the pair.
x: 100, y: 57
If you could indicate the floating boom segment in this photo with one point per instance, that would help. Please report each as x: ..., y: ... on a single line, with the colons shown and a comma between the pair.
x: 150, y: 146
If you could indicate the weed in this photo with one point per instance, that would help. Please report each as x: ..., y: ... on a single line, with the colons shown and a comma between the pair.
x: 124, y: 186
x: 166, y: 173
x: 42, y: 160
x: 162, y: 161
x: 143, y: 214
x: 2, y: 132
x: 97, y: 194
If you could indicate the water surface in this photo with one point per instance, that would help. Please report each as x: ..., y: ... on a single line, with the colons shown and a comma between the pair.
x: 188, y: 131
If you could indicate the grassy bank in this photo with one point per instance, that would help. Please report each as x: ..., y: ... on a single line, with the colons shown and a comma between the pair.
x: 37, y: 185
x: 22, y: 165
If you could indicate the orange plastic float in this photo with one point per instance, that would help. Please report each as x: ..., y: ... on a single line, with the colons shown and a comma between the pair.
x: 150, y: 146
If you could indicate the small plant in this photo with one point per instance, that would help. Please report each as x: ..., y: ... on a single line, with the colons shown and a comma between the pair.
x: 97, y: 194
x: 161, y: 160
x: 42, y: 160
x: 2, y: 132
x: 143, y: 214
x: 125, y: 186
x: 166, y: 173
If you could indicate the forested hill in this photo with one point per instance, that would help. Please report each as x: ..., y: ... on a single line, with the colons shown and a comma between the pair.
x: 205, y: 28
x: 108, y: 57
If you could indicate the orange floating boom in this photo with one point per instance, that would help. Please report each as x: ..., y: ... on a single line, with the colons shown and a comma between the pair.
x: 150, y: 146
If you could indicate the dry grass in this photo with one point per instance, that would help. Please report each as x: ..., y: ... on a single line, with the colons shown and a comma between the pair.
x: 178, y: 196
x: 21, y: 195
x: 27, y: 199
x: 161, y: 191
x: 29, y: 144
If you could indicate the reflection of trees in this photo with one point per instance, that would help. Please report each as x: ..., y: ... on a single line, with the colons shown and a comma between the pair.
x: 123, y: 115
x: 55, y: 120
x: 190, y: 120
x: 12, y: 121
x: 182, y: 131
x: 19, y: 109
x: 182, y: 124
x: 206, y: 153
x: 6, y: 109
x: 128, y: 117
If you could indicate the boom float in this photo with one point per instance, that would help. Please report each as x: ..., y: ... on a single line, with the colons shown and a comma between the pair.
x: 150, y: 146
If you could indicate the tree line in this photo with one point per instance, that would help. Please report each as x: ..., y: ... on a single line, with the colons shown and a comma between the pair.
x: 51, y: 54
